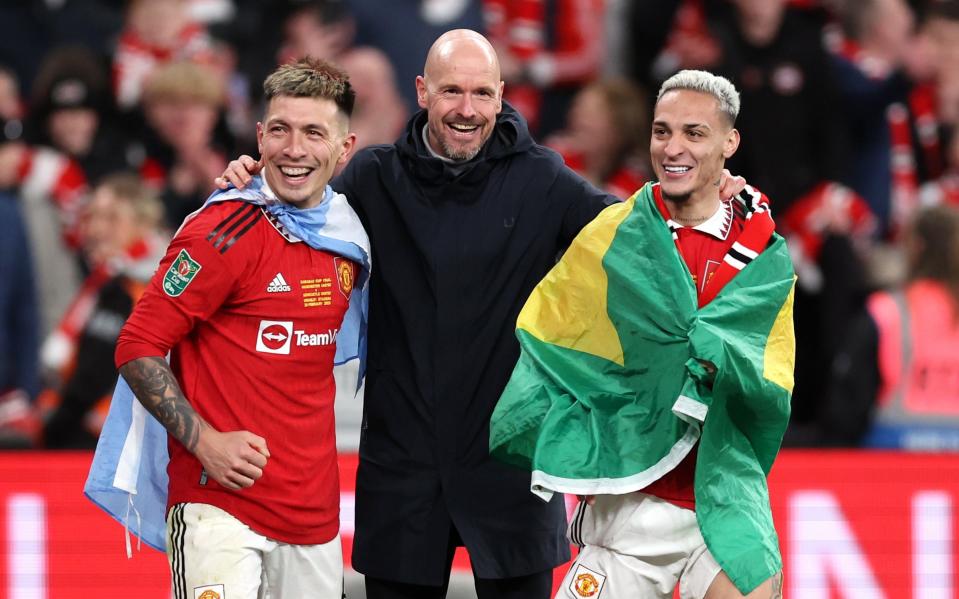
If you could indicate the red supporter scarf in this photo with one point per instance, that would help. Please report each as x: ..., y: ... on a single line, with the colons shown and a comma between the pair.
x: 81, y: 308
x: 751, y: 242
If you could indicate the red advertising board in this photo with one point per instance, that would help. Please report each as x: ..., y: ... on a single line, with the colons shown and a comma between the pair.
x: 851, y: 524
x: 867, y: 524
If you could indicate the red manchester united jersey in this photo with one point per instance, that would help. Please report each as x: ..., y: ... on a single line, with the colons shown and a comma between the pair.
x: 703, y: 248
x: 250, y: 318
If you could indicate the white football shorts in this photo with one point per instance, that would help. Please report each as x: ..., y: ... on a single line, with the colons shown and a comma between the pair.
x: 213, y: 555
x: 637, y: 545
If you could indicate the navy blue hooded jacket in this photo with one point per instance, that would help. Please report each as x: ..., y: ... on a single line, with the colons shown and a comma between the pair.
x: 457, y: 252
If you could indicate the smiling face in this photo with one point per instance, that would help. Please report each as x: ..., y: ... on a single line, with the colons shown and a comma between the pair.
x: 462, y: 93
x: 690, y: 142
x: 301, y: 141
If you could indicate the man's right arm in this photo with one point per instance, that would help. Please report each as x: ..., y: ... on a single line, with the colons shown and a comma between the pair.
x: 234, y: 460
x: 157, y: 389
x: 194, y: 279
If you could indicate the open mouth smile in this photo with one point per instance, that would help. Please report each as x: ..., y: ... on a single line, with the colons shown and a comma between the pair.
x: 677, y: 170
x: 295, y: 174
x: 463, y: 130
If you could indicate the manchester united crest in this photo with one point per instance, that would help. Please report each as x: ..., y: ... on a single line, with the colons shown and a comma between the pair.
x: 345, y: 275
x: 587, y: 583
x: 209, y: 591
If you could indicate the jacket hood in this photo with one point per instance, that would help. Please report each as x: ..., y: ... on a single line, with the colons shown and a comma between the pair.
x: 510, y: 136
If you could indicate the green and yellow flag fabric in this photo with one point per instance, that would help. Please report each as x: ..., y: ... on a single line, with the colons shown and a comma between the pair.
x: 610, y: 392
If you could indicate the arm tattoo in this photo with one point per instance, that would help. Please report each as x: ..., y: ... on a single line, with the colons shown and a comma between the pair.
x: 153, y: 383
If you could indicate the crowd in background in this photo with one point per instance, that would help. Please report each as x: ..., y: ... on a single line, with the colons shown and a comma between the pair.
x: 116, y: 116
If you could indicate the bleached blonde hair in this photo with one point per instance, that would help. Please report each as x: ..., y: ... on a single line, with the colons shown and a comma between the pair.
x: 705, y: 82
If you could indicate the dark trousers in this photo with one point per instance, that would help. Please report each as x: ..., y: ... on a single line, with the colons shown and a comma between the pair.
x: 532, y: 586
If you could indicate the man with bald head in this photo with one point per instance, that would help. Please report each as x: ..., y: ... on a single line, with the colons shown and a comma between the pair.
x: 466, y: 213
x: 459, y: 126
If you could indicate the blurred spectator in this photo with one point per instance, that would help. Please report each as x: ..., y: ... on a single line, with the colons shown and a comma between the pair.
x: 72, y: 112
x: 253, y: 35
x: 50, y: 188
x: 318, y: 28
x: 379, y: 114
x: 405, y: 29
x: 48, y: 173
x: 325, y: 29
x: 29, y: 29
x: 19, y: 329
x: 774, y: 54
x: 183, y: 104
x: 829, y: 210
x: 11, y: 106
x: 875, y: 57
x: 607, y: 136
x: 896, y: 380
x: 156, y: 32
x: 941, y: 30
x: 120, y: 232
x: 829, y: 230
x: 666, y: 36
x: 945, y: 189
x: 239, y: 113
x: 547, y: 52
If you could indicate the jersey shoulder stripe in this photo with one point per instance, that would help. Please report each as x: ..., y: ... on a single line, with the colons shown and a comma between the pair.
x: 249, y: 225
x: 235, y: 225
x: 226, y: 221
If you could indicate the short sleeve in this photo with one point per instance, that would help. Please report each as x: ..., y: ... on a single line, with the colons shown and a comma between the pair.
x: 197, y: 275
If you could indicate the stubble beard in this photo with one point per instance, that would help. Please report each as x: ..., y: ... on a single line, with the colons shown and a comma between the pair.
x: 457, y: 154
x: 460, y: 155
x: 680, y: 199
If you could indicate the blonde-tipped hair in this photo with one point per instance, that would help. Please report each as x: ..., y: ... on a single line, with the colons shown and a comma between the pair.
x: 311, y: 77
x: 704, y: 82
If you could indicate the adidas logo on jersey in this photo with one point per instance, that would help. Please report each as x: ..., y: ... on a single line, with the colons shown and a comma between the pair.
x: 278, y: 284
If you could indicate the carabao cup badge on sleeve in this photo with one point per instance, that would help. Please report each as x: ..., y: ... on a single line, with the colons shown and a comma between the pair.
x: 180, y: 274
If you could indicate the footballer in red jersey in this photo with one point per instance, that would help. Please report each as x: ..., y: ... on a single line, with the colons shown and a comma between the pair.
x: 249, y: 305
x: 647, y: 543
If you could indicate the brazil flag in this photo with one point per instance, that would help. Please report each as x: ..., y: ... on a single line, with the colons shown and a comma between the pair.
x: 615, y: 383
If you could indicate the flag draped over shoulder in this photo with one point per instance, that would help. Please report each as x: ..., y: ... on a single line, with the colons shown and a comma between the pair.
x: 610, y: 392
x: 128, y: 477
